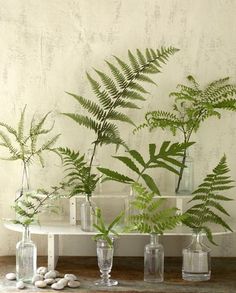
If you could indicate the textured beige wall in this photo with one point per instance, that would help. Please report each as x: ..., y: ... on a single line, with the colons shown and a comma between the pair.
x: 46, y: 47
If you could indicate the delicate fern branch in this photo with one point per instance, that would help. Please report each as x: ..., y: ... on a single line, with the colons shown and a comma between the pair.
x: 151, y: 217
x: 208, y: 195
x: 33, y: 203
x: 78, y: 175
x: 23, y: 146
x: 192, y: 106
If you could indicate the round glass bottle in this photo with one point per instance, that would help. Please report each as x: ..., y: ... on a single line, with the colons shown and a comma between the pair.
x: 26, y: 257
x: 154, y: 260
x: 196, y: 259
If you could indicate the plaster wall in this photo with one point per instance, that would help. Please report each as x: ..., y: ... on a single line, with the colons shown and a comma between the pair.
x: 46, y: 48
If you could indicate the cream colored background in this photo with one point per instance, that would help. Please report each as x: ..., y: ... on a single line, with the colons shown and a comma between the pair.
x: 46, y: 47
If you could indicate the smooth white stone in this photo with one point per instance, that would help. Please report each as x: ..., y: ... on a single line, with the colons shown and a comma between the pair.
x: 10, y: 276
x: 36, y: 278
x: 50, y: 275
x: 58, y: 274
x: 70, y: 277
x: 42, y: 270
x: 20, y: 285
x: 73, y: 284
x: 58, y: 279
x: 63, y: 281
x: 50, y: 281
x: 57, y: 286
x: 40, y: 284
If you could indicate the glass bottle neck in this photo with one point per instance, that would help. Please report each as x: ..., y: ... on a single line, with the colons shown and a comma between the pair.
x: 25, y: 185
x: 154, y: 239
x: 26, y: 234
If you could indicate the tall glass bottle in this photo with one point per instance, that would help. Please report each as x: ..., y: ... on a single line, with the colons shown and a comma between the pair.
x: 95, y: 165
x: 154, y: 261
x: 88, y: 215
x: 26, y: 257
x: 184, y: 182
x: 196, y: 259
x: 25, y: 182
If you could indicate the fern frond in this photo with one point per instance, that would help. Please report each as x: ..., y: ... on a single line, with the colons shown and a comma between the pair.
x: 150, y: 216
x: 208, y: 208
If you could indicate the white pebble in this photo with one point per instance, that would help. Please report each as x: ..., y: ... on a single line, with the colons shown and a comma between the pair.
x: 40, y: 284
x: 73, y: 284
x: 70, y: 277
x: 58, y: 274
x: 57, y: 286
x: 36, y: 278
x: 50, y: 281
x: 42, y: 270
x: 20, y: 285
x: 58, y: 279
x: 11, y: 276
x: 50, y: 275
x: 63, y: 281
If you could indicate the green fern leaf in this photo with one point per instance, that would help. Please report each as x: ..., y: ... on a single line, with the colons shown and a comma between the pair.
x: 90, y: 106
x: 108, y: 83
x: 128, y: 162
x: 83, y: 120
x: 114, y: 115
x: 112, y: 175
x: 150, y: 183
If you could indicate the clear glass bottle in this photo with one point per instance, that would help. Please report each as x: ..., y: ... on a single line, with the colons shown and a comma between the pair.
x: 25, y: 182
x: 184, y: 184
x: 154, y: 260
x: 95, y: 165
x: 26, y: 258
x: 128, y: 209
x: 105, y: 261
x: 196, y: 259
x: 88, y: 215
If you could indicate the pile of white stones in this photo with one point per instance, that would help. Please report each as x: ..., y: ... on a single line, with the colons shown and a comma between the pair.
x: 45, y: 278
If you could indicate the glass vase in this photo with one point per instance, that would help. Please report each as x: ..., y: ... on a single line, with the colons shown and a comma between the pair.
x: 196, y: 259
x: 128, y: 209
x: 88, y: 215
x: 154, y: 260
x: 184, y: 182
x: 26, y: 257
x: 25, y: 182
x: 94, y: 170
x: 105, y: 260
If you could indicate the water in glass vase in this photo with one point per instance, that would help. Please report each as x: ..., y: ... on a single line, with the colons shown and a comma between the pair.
x: 154, y: 261
x: 105, y: 261
x: 196, y: 260
x: 88, y: 215
x: 184, y: 182
x: 26, y: 258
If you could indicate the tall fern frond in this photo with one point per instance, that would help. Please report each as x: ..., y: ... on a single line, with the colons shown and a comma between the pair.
x: 208, y: 196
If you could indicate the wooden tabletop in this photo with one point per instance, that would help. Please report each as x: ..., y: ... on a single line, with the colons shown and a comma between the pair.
x: 129, y: 272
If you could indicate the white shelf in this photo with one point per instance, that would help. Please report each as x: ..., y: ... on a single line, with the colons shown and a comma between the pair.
x: 63, y: 228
